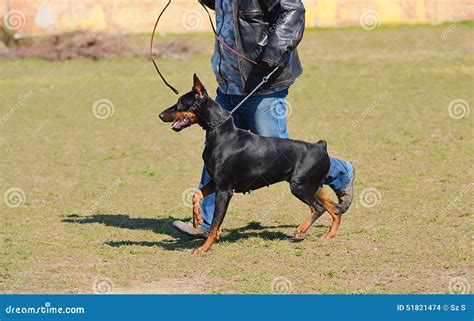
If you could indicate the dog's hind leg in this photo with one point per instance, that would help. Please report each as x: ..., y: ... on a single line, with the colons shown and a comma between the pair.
x: 308, y: 196
x: 303, y: 227
x: 209, y: 188
x: 332, y: 209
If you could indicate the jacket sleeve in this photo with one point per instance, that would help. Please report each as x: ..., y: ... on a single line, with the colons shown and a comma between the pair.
x: 211, y: 4
x: 287, y: 30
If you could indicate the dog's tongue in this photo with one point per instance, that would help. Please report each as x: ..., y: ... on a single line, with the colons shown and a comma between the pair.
x: 175, y: 124
x: 180, y: 123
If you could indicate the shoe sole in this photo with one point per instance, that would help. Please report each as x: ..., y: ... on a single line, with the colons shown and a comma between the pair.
x: 194, y: 236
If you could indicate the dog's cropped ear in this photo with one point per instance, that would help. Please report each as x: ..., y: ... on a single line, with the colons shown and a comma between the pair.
x: 198, y: 87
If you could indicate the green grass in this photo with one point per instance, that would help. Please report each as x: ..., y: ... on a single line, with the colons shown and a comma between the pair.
x: 149, y: 172
x: 100, y: 195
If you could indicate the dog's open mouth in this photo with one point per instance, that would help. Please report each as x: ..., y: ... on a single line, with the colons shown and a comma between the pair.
x: 181, y: 123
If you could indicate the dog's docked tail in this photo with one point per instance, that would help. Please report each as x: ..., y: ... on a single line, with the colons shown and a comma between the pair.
x: 323, y: 144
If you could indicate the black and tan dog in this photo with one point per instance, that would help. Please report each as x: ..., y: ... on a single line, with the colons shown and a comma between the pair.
x: 240, y: 161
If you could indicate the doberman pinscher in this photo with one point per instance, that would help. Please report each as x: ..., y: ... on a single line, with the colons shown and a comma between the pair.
x: 240, y: 161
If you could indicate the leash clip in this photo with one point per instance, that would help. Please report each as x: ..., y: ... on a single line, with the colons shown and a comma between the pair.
x: 267, y: 77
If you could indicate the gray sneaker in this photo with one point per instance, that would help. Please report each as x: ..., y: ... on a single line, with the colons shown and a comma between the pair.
x: 190, y: 230
x: 346, y: 196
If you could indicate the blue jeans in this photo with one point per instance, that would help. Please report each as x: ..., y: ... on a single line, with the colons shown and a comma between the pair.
x: 266, y: 116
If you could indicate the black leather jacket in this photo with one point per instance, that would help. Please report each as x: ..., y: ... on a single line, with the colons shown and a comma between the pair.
x: 267, y: 31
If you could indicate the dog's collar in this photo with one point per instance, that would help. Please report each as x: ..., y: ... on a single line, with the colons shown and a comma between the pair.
x: 219, y: 124
x: 213, y: 127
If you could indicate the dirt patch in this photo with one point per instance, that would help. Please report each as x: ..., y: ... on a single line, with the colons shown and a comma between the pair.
x: 89, y: 45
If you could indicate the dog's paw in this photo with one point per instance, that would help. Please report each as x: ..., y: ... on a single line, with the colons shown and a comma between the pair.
x: 327, y: 236
x: 298, y: 235
x: 200, y: 250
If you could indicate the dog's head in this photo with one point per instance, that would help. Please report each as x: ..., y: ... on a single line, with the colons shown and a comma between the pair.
x: 185, y: 112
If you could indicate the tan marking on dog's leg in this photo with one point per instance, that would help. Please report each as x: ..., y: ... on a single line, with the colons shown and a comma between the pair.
x: 197, y: 201
x: 303, y: 227
x: 326, y: 201
x: 197, y: 215
x: 336, y: 221
x: 213, y: 236
x: 331, y: 207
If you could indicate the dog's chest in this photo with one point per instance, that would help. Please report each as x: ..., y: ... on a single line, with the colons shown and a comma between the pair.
x: 210, y: 156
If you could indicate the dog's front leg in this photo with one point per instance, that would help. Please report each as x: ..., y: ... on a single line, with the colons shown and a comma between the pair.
x: 209, y: 188
x: 222, y: 202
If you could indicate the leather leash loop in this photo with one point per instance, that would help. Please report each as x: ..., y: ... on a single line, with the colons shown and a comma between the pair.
x: 151, y: 50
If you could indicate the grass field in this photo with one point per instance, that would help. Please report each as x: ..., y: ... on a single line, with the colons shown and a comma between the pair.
x: 97, y: 197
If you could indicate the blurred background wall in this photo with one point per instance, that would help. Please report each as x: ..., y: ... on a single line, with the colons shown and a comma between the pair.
x: 134, y: 16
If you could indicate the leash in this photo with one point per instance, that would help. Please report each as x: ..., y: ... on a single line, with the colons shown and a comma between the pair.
x: 151, y: 49
x: 264, y: 81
